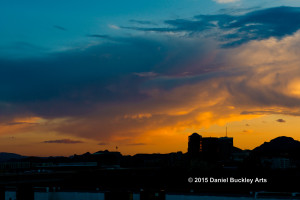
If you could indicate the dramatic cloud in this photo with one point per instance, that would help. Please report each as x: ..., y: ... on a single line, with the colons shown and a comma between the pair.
x: 64, y: 141
x: 94, y: 95
x: 133, y: 90
x: 234, y: 30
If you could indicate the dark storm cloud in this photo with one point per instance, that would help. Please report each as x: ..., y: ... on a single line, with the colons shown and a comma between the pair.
x: 63, y: 141
x: 139, y: 83
x: 262, y: 24
x: 234, y: 30
x: 74, y: 82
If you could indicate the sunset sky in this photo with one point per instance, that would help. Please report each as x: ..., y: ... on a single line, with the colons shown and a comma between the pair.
x: 78, y: 76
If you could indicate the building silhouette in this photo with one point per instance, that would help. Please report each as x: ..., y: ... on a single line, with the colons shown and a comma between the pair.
x: 210, y: 148
x: 195, y: 144
x: 226, y: 147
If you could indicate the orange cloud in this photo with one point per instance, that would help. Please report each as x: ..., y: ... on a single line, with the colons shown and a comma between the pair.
x: 254, y: 80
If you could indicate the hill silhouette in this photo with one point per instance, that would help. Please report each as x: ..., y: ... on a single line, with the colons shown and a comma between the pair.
x: 4, y: 157
x: 280, y: 146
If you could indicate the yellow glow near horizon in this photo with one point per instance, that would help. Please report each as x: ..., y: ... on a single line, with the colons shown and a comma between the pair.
x: 248, y: 133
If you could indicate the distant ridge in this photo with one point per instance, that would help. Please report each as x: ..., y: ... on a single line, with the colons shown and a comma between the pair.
x: 279, y: 146
x: 4, y: 157
x: 236, y: 150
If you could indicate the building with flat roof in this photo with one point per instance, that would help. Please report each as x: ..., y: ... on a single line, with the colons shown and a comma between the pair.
x: 210, y: 148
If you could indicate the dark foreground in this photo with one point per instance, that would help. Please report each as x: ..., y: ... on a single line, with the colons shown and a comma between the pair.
x: 148, y: 181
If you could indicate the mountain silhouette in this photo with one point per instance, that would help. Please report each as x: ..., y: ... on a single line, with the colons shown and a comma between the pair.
x: 4, y: 157
x: 280, y: 146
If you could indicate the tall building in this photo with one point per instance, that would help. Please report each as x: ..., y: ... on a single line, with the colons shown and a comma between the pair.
x: 226, y: 147
x: 195, y: 144
x: 210, y: 148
